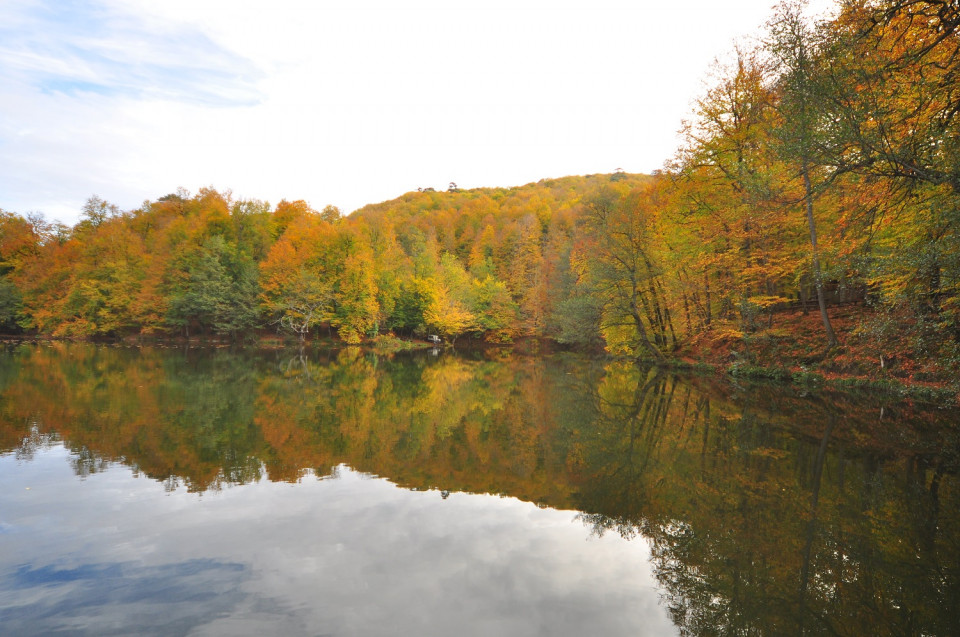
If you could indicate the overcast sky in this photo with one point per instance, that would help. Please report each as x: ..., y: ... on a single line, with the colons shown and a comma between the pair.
x: 342, y: 103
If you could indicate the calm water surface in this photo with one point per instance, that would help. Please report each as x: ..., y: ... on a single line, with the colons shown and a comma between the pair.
x: 215, y: 492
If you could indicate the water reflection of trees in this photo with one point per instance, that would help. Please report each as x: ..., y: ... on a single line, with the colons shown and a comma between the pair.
x: 779, y: 514
x: 211, y: 417
x: 767, y: 512
x: 167, y: 414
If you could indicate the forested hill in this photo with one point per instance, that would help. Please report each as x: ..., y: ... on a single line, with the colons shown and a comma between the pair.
x: 492, y: 263
x: 812, y: 211
x: 495, y: 262
x: 429, y: 205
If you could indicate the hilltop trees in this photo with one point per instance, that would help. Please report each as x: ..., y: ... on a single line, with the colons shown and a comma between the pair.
x: 493, y: 263
x: 475, y: 262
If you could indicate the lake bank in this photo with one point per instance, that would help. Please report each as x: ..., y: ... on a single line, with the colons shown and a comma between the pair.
x: 789, y: 349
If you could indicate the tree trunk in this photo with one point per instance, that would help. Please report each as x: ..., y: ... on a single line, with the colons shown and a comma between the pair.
x: 642, y: 331
x: 817, y: 275
x: 706, y: 290
x: 667, y: 318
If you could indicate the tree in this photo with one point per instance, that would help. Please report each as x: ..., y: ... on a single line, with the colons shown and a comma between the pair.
x: 18, y: 244
x: 331, y: 214
x: 95, y: 211
x: 218, y: 292
x: 301, y: 301
x: 253, y: 228
x: 287, y: 212
x: 526, y: 275
x: 298, y: 276
x: 894, y: 84
x: 801, y: 109
x: 728, y: 219
x: 493, y: 308
x: 623, y: 272
x: 357, y: 309
x: 447, y: 310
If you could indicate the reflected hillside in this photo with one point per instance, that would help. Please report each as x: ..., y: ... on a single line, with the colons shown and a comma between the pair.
x: 769, y: 511
x: 213, y: 417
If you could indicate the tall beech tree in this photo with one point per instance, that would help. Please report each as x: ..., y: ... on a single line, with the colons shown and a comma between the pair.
x: 297, y: 275
x: 894, y: 79
x: 355, y: 289
x: 800, y: 130
x: 624, y: 273
x: 728, y: 206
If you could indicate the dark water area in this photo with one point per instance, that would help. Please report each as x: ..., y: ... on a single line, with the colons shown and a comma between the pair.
x: 165, y: 491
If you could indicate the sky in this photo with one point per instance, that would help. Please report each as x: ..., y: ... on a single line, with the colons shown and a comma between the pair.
x: 342, y: 103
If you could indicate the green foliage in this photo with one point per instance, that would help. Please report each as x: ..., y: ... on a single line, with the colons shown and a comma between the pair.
x: 739, y: 369
x: 11, y: 306
x: 576, y: 321
x: 494, y: 308
x: 411, y: 303
x: 218, y: 290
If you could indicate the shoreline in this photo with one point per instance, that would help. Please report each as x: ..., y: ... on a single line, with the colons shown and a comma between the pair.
x: 930, y: 393
x: 784, y: 372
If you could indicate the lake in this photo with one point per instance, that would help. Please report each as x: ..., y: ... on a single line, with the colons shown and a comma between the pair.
x: 212, y: 491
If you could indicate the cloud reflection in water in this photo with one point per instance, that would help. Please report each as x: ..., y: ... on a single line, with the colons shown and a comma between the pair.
x: 348, y: 556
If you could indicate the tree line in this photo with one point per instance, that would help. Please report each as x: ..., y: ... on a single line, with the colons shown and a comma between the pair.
x: 821, y: 163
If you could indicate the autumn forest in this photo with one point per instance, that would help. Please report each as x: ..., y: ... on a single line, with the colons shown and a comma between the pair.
x: 814, y: 204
